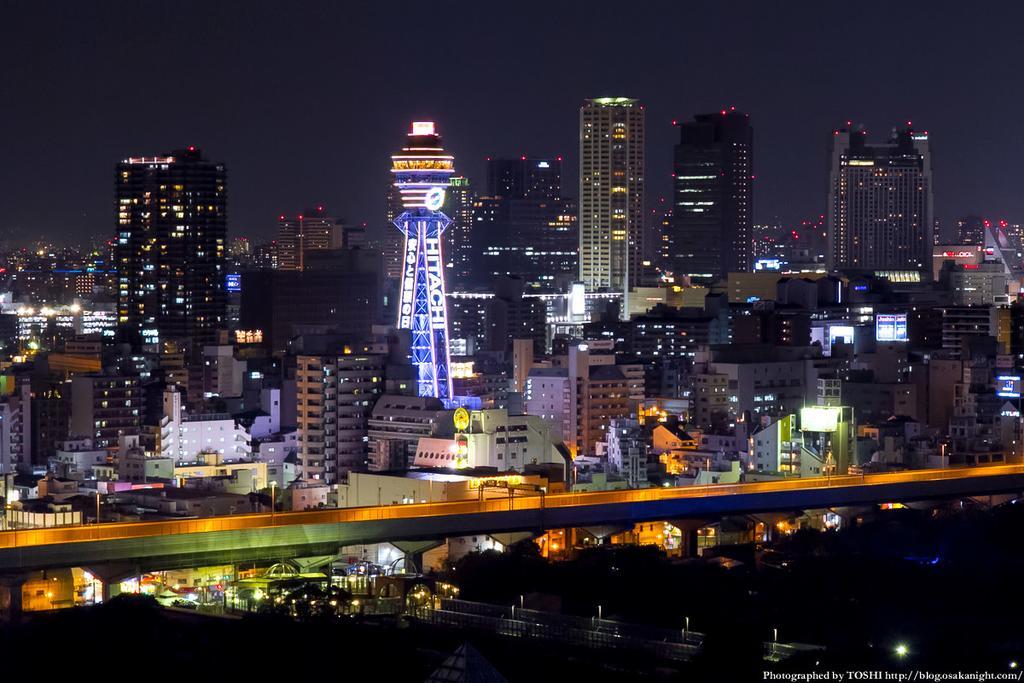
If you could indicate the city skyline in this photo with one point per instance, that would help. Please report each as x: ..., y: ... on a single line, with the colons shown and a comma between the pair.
x: 286, y: 158
x: 512, y: 342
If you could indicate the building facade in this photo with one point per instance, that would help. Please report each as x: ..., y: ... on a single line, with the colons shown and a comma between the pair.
x: 170, y: 252
x: 880, y: 213
x: 311, y: 229
x: 611, y: 202
x: 711, y: 233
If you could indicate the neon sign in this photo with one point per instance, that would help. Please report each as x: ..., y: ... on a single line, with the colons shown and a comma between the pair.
x: 434, y: 199
x: 891, y: 327
x: 1008, y: 386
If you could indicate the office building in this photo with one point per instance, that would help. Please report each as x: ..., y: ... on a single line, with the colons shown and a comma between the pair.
x: 458, y: 238
x: 611, y: 201
x: 309, y: 230
x: 522, y: 177
x: 971, y: 230
x: 170, y: 252
x: 524, y: 227
x: 105, y: 408
x: 711, y: 229
x: 880, y: 202
x: 340, y: 289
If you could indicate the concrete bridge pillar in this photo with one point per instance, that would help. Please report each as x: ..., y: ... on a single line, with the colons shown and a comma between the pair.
x: 110, y: 577
x: 414, y: 553
x: 688, y: 534
x: 11, y: 602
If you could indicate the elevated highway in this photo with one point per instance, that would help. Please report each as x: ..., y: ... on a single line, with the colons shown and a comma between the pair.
x: 150, y: 546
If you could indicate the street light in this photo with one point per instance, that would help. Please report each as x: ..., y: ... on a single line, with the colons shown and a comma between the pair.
x: 901, y: 650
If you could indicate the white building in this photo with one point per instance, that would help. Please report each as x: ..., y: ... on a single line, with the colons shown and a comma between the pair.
x: 15, y: 427
x: 270, y: 421
x: 183, y: 437
x: 627, y: 451
x: 493, y: 439
x: 75, y: 459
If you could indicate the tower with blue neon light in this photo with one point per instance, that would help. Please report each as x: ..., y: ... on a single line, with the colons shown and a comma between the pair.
x: 421, y: 173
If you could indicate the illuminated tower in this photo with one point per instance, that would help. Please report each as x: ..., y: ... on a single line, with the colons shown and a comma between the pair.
x: 421, y: 172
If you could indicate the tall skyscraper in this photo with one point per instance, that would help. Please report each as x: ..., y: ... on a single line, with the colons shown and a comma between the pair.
x: 522, y: 177
x: 422, y: 170
x: 880, y: 201
x: 458, y: 239
x: 309, y: 230
x: 392, y: 242
x: 171, y: 241
x: 713, y: 198
x: 971, y: 230
x: 611, y: 204
x: 524, y: 227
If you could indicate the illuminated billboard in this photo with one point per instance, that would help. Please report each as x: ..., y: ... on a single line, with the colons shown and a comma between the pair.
x: 891, y: 327
x: 819, y: 418
x: 233, y: 282
x: 1008, y: 386
x: 844, y: 332
x: 768, y: 264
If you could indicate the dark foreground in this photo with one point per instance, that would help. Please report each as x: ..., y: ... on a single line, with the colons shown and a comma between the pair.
x: 946, y: 586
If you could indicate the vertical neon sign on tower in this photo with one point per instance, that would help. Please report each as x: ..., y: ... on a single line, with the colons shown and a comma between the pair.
x: 421, y: 172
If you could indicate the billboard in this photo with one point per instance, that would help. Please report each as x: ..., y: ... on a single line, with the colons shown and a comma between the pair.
x: 233, y: 282
x: 1008, y: 386
x: 819, y: 418
x: 891, y: 327
x: 768, y: 264
x: 844, y: 332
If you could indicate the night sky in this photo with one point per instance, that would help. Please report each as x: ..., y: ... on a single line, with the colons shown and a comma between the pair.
x: 304, y: 101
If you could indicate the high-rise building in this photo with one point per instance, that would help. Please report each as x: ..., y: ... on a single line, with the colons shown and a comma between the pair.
x: 335, y: 395
x: 340, y: 289
x: 105, y: 408
x: 880, y: 201
x: 171, y: 241
x: 713, y: 197
x: 611, y: 203
x: 16, y: 428
x: 971, y: 230
x: 522, y: 177
x: 458, y: 205
x: 392, y: 242
x: 296, y: 235
x: 524, y: 227
x: 422, y: 170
